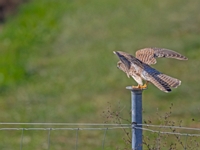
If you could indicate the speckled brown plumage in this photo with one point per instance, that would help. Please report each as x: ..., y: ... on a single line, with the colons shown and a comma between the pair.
x: 138, y: 67
x: 149, y: 55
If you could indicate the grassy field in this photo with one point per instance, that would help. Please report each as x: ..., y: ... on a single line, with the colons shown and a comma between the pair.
x: 57, y: 65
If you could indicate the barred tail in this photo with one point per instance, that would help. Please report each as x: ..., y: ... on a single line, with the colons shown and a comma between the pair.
x: 164, y: 82
x: 172, y: 82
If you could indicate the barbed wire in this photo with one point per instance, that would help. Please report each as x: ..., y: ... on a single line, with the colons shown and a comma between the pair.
x: 108, y: 128
x: 100, y: 124
x: 172, y: 133
x: 172, y: 127
x: 103, y: 126
x: 64, y: 124
x: 77, y: 127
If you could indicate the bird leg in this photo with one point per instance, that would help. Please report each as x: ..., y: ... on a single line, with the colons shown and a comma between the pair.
x: 145, y: 85
x: 140, y: 86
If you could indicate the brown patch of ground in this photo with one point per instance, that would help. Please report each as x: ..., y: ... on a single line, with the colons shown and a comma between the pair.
x: 8, y: 7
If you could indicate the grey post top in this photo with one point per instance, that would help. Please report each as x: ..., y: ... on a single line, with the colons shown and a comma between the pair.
x: 134, y: 90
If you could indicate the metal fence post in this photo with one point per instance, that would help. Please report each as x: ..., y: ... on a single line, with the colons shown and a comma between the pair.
x: 136, y: 114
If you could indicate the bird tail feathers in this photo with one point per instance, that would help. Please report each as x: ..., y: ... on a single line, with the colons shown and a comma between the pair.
x: 164, y: 82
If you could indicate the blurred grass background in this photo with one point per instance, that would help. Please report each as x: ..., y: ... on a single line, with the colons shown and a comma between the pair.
x: 57, y: 65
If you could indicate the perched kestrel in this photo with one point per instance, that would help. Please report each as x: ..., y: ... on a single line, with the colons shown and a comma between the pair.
x: 138, y: 67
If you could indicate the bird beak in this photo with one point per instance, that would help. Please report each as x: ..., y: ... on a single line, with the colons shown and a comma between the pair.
x: 114, y: 52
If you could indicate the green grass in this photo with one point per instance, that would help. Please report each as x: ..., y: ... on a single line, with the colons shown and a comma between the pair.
x: 57, y: 65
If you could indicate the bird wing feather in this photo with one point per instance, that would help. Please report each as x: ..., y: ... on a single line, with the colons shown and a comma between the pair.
x: 123, y: 59
x: 149, y: 55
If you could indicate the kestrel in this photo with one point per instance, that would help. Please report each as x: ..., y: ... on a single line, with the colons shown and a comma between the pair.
x: 139, y: 69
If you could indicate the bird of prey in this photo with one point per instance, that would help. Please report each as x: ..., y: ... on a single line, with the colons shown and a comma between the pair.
x: 139, y: 68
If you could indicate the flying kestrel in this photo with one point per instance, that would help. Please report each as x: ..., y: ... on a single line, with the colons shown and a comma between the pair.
x: 138, y: 67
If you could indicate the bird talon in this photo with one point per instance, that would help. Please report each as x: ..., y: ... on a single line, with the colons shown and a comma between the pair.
x: 140, y: 87
x: 135, y: 87
x: 144, y: 86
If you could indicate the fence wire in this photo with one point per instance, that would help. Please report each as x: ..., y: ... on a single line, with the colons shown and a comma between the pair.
x: 159, y: 129
x: 96, y: 126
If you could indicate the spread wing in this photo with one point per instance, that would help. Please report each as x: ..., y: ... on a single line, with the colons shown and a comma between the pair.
x: 124, y: 59
x: 149, y: 55
x: 128, y: 59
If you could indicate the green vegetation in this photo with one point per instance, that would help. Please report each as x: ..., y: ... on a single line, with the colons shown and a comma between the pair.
x: 57, y: 65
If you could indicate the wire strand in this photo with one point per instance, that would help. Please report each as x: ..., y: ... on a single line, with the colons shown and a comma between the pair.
x: 105, y: 127
x: 65, y: 124
x: 174, y: 127
x: 99, y: 124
